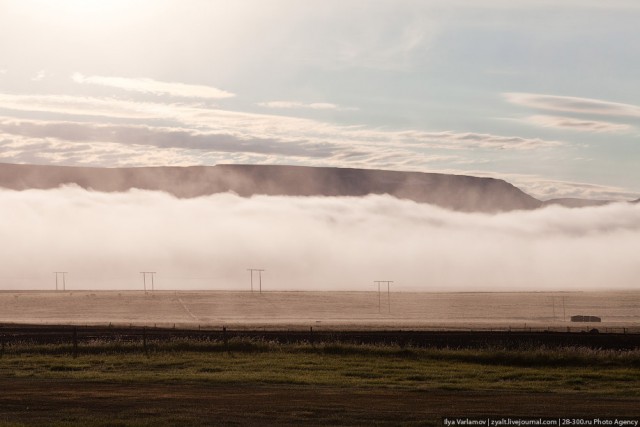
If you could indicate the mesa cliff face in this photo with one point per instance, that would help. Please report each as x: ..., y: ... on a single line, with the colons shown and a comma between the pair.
x: 456, y: 192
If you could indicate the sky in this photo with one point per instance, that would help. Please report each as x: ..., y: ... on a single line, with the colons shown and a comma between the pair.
x: 541, y: 93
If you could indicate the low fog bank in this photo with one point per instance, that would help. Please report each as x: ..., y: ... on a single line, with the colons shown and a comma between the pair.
x: 105, y: 239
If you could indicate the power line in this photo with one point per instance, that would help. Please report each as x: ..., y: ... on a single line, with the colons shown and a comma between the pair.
x: 388, y: 282
x: 144, y: 279
x: 259, y: 270
x: 64, y: 279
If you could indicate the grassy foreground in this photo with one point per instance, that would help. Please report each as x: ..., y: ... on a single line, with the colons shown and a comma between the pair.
x: 342, y: 369
x: 344, y: 365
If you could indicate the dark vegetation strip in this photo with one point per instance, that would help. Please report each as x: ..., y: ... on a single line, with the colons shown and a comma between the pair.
x: 55, y: 334
x: 526, y: 356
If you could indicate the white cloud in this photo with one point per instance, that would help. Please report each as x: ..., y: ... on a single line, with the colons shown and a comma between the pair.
x: 577, y: 124
x: 146, y: 85
x: 323, y: 106
x: 125, y: 144
x: 271, y: 127
x: 462, y: 140
x: 39, y: 76
x: 85, y: 106
x: 572, y: 104
x: 17, y: 149
x: 3, y: 71
x: 302, y: 105
x: 181, y: 148
x: 545, y: 189
x: 323, y: 243
x: 162, y: 137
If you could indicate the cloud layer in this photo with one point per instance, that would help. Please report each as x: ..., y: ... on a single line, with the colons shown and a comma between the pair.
x: 146, y: 85
x: 250, y: 125
x: 300, y: 105
x: 581, y: 125
x: 572, y: 104
x: 104, y: 240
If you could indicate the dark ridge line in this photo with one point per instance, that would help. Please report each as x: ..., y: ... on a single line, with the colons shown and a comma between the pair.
x: 455, y: 192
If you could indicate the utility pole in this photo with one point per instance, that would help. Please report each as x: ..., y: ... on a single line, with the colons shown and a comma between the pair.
x: 259, y: 270
x: 144, y: 279
x: 564, y: 312
x: 388, y: 282
x: 64, y: 279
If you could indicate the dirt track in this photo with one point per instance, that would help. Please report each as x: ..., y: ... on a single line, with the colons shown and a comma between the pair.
x: 35, y: 401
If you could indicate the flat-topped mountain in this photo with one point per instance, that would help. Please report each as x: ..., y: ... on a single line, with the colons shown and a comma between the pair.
x: 456, y: 192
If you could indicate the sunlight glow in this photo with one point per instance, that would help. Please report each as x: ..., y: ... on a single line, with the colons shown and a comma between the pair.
x: 81, y: 12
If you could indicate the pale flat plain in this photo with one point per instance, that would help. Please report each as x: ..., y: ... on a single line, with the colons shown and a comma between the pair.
x: 325, y: 310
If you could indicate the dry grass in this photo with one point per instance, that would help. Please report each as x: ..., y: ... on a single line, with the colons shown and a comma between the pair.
x: 325, y: 310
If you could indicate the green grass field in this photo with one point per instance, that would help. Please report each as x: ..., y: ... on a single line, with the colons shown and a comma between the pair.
x: 188, y: 382
x: 257, y: 362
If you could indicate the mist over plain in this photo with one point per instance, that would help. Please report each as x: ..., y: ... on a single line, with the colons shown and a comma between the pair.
x: 308, y: 243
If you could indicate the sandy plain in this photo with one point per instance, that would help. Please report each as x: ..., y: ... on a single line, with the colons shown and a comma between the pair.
x: 343, y: 310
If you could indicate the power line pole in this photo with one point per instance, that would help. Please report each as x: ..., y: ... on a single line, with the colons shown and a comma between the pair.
x: 64, y: 279
x: 144, y: 279
x: 388, y: 282
x: 259, y: 270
